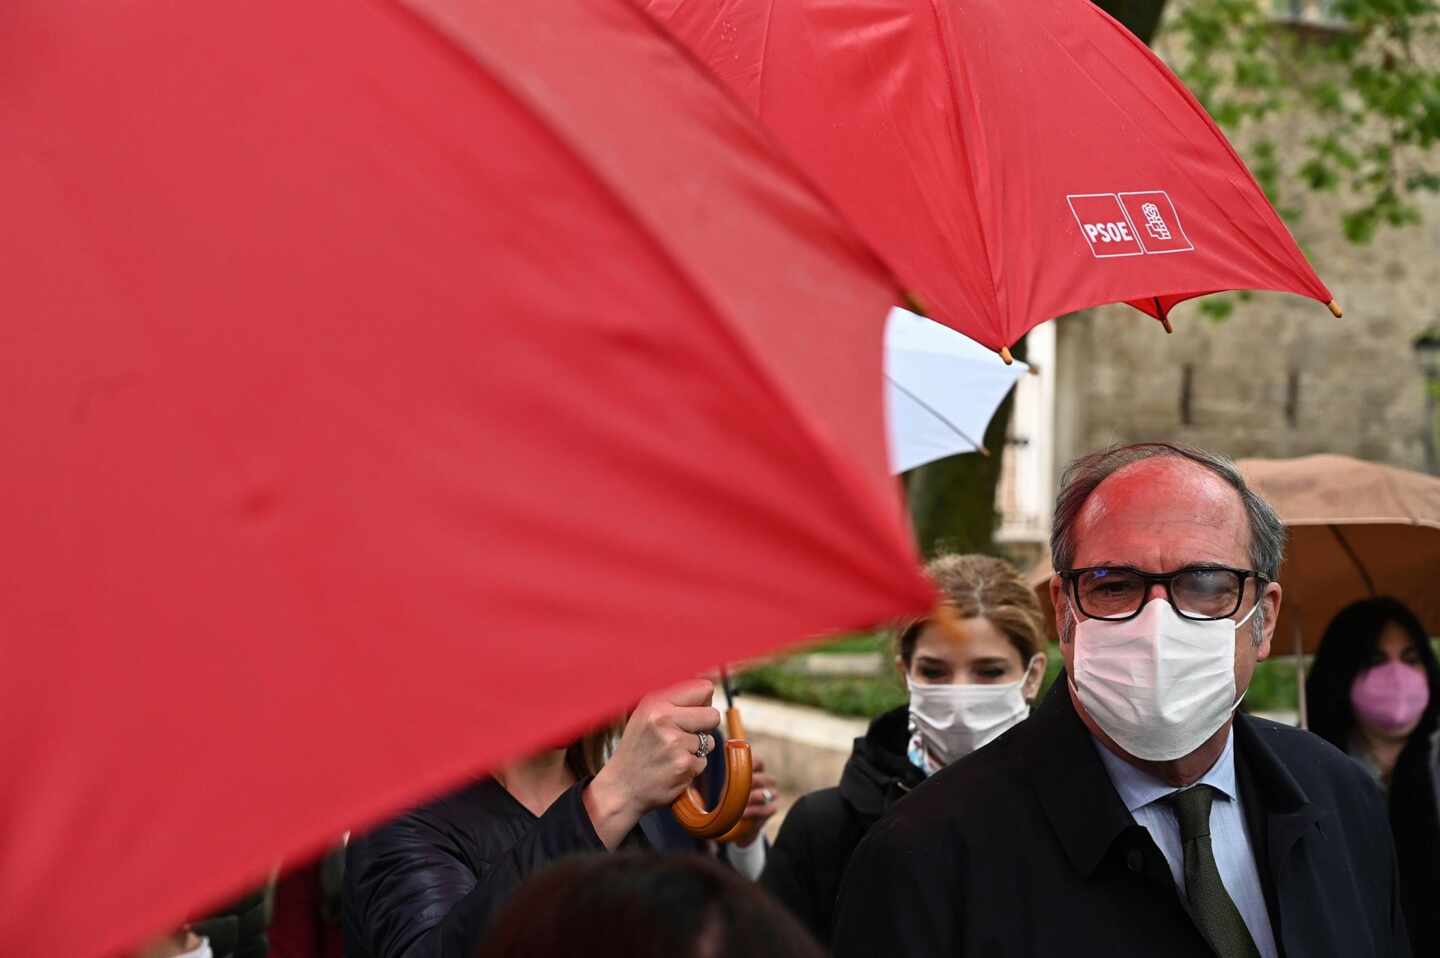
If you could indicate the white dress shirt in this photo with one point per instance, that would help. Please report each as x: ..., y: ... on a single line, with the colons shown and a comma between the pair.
x: 1144, y: 794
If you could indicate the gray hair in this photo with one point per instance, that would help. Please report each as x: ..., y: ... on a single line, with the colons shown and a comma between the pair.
x: 1081, y: 477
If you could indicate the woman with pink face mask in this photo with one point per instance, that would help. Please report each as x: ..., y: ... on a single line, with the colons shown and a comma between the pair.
x: 1374, y: 692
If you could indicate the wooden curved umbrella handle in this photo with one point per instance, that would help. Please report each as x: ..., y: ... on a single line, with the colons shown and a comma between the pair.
x: 690, y: 810
x: 746, y: 829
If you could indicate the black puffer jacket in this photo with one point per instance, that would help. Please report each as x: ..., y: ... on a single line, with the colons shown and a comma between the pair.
x: 816, y: 839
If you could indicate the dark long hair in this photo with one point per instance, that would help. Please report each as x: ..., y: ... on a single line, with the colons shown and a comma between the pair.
x: 643, y: 905
x: 1348, y: 647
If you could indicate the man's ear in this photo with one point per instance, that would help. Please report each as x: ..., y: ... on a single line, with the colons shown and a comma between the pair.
x: 1271, y: 600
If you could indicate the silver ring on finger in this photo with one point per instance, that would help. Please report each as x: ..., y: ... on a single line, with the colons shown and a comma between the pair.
x: 706, y: 745
x: 767, y: 795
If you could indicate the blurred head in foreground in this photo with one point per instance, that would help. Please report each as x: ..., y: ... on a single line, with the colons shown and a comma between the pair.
x: 643, y: 906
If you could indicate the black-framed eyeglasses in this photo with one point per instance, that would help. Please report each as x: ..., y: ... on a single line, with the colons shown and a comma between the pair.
x: 1118, y: 592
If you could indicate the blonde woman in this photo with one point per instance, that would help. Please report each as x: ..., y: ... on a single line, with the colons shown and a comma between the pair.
x: 970, y: 677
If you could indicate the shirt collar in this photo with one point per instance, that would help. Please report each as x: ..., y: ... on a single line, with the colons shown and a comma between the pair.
x: 1138, y: 788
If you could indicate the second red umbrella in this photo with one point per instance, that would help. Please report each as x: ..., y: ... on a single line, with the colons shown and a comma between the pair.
x: 1011, y: 161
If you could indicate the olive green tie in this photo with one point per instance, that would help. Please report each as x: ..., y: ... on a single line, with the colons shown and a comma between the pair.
x: 1210, y: 904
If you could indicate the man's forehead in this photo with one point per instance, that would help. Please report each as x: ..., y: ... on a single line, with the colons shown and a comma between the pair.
x: 1160, y: 514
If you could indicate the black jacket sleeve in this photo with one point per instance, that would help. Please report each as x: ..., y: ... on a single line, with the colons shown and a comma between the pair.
x: 417, y: 895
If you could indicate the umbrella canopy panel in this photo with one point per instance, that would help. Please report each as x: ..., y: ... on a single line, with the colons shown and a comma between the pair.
x: 371, y: 419
x: 1331, y: 566
x: 1013, y: 162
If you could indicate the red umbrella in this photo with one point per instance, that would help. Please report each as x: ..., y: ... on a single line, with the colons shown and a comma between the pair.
x: 389, y: 390
x: 1011, y: 161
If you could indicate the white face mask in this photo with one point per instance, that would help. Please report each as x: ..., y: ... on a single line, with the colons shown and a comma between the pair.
x: 1158, y: 684
x: 955, y: 720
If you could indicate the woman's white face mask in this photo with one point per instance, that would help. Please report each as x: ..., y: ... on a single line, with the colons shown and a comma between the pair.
x: 954, y: 720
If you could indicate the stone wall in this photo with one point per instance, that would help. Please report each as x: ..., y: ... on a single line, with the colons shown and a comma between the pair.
x: 1277, y: 378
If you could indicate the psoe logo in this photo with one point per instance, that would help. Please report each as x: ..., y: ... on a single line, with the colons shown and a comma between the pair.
x: 1155, y: 224
x: 1129, y: 224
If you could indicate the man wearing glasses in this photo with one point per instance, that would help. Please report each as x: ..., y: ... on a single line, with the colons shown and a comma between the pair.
x: 1138, y: 812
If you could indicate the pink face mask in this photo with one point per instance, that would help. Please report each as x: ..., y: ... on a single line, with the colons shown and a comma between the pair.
x: 1391, y: 696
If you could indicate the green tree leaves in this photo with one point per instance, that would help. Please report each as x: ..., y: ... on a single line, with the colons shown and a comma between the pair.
x: 1362, y: 75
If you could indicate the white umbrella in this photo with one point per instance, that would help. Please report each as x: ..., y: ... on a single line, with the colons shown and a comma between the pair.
x: 941, y: 389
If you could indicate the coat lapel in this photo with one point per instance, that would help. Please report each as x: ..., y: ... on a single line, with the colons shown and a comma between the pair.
x: 1289, y: 813
x: 1283, y: 818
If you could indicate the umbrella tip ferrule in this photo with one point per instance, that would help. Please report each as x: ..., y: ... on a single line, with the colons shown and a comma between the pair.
x: 1165, y: 322
x: 915, y: 304
x: 1005, y: 355
x: 1335, y: 309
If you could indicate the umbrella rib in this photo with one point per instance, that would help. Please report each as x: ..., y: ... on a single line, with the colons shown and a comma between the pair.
x: 937, y: 414
x: 1359, y: 566
x: 764, y: 46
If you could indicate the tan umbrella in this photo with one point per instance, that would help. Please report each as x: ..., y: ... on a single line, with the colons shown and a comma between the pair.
x: 1357, y: 529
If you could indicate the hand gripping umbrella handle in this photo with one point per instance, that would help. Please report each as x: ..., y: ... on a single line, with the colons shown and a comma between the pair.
x: 690, y: 809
